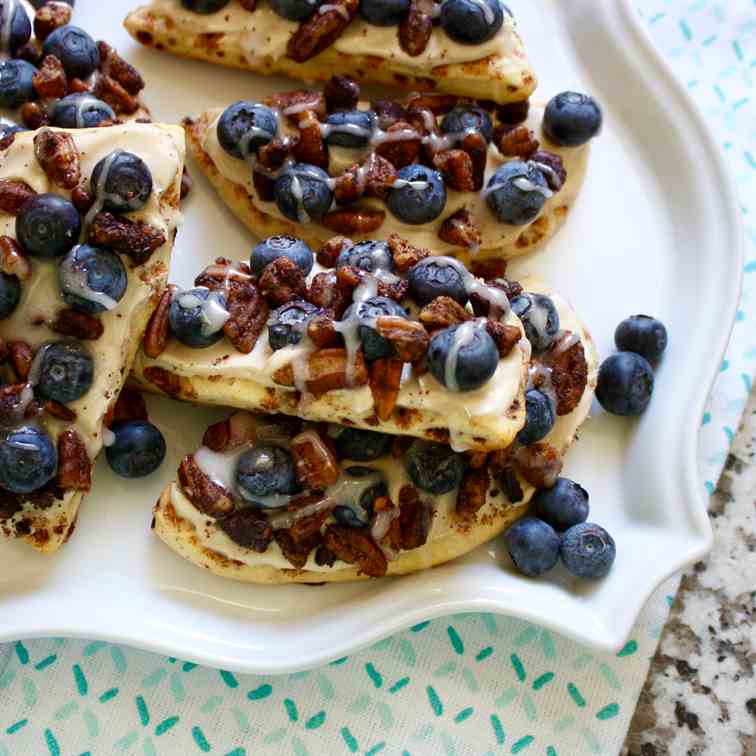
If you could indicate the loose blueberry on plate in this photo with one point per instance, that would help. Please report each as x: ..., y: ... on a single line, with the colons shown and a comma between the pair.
x: 643, y: 335
x: 303, y: 192
x: 463, y: 119
x: 368, y: 256
x: 204, y: 6
x: 361, y: 445
x: 540, y: 417
x: 273, y: 247
x: 572, y: 119
x: 47, y: 226
x: 10, y: 294
x: 463, y: 357
x: 384, y: 12
x: 374, y: 346
x: 28, y: 460
x: 16, y: 83
x: 356, y: 511
x: 350, y: 128
x: 539, y: 317
x: 75, y: 49
x: 418, y: 195
x: 197, y: 317
x: 80, y: 111
x: 294, y: 10
x: 138, y: 449
x: 533, y: 546
x: 564, y: 505
x: 517, y: 192
x: 127, y: 183
x: 471, y: 22
x: 16, y: 29
x: 263, y: 472
x: 435, y: 468
x: 246, y: 126
x: 625, y: 384
x: 66, y: 372
x: 92, y: 279
x: 438, y: 277
x: 588, y: 551
x: 287, y: 324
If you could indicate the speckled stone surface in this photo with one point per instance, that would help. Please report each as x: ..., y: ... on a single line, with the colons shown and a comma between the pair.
x: 700, y: 695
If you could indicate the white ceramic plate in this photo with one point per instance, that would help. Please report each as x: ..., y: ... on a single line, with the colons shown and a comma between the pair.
x: 656, y: 230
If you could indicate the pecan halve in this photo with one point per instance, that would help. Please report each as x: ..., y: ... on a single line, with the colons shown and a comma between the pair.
x: 59, y: 157
x: 540, y: 464
x: 489, y: 269
x: 324, y: 292
x: 314, y: 461
x: 416, y: 27
x: 208, y: 497
x: 249, y: 528
x: 158, y: 328
x: 136, y: 239
x: 349, y: 186
x: 329, y: 253
x: 293, y: 104
x: 327, y: 370
x: 378, y: 175
x: 475, y: 145
x: 415, y: 518
x: 281, y: 281
x: 34, y: 116
x: 76, y: 323
x: 354, y: 221
x: 515, y: 141
x: 49, y: 79
x: 49, y: 17
x: 108, y: 90
x: 472, y: 492
x: 408, y: 337
x: 404, y: 254
x: 217, y: 436
x: 20, y: 356
x: 322, y: 331
x: 354, y: 546
x: 74, y: 467
x: 270, y: 157
x: 12, y: 259
x: 113, y: 65
x: 247, y: 316
x: 402, y: 147
x: 59, y: 411
x: 461, y: 229
x: 443, y: 312
x: 456, y: 167
x: 82, y: 199
x: 341, y: 93
x: 321, y: 30
x: 385, y: 381
x: 569, y: 372
x: 310, y: 148
x: 296, y: 552
x: 505, y: 336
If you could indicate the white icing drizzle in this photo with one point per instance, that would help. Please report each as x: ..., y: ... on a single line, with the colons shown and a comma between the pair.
x: 488, y: 13
x: 81, y: 106
x: 463, y: 336
x: 100, y: 195
x: 77, y: 283
x: 220, y: 467
x: 212, y: 312
x: 35, y: 369
x: 284, y: 520
x: 326, y: 7
x: 298, y: 193
x: 418, y: 186
x: 526, y: 185
x: 496, y: 298
x: 381, y: 525
x: 108, y: 437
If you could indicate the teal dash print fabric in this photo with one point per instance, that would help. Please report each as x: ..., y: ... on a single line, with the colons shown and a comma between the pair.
x: 473, y: 685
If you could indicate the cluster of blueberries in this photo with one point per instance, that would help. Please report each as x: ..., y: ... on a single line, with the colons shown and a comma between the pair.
x: 465, y: 21
x: 515, y: 194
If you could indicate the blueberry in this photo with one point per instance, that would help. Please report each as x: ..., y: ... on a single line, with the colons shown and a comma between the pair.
x: 10, y: 293
x: 287, y: 324
x: 80, y: 111
x: 264, y: 474
x: 384, y: 12
x: 588, y: 551
x: 462, y: 119
x: 374, y: 346
x: 138, y: 449
x: 16, y: 83
x: 533, y: 546
x: 16, y: 29
x: 540, y: 417
x: 92, y: 279
x: 471, y: 22
x: 47, y: 226
x: 197, y: 316
x: 564, y: 505
x: 273, y: 247
x: 303, y: 193
x: 361, y: 445
x: 368, y: 256
x: 294, y: 10
x: 572, y: 119
x: 435, y: 468
x: 625, y: 384
x: 438, y: 277
x: 539, y: 317
x: 28, y: 460
x: 643, y: 335
x: 420, y: 201
x: 204, y: 6
x: 246, y: 126
x: 123, y: 180
x: 463, y: 357
x: 358, y: 496
x: 40, y: 3
x: 75, y: 49
x: 8, y: 127
x: 350, y: 128
x: 66, y: 372
x: 517, y: 192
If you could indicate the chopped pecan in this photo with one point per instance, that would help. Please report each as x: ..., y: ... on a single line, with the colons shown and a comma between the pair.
x: 475, y: 145
x: 108, y: 90
x: 217, y: 436
x: 505, y: 336
x: 325, y: 292
x: 330, y: 251
x: 540, y: 464
x: 456, y: 167
x: 270, y: 157
x: 77, y: 86
x: 76, y: 323
x: 489, y: 269
x: 569, y: 372
x: 49, y: 17
x: 408, y: 337
x: 378, y: 175
x: 113, y: 65
x: 461, y: 229
x: 387, y: 112
x: 515, y: 141
x: 59, y: 411
x: 296, y: 553
x: 322, y: 332
x: 385, y: 380
x: 414, y: 519
x: 20, y: 356
x: 403, y: 147
x: 552, y: 167
x: 404, y: 254
x: 247, y: 316
x: 293, y: 104
x: 208, y: 497
x: 472, y: 492
x: 281, y: 281
x: 438, y: 104
x: 187, y: 184
x: 310, y: 148
x: 236, y: 430
x: 224, y: 274
x: 74, y: 467
x: 485, y: 302
x: 306, y: 530
x: 324, y: 557
x: 321, y: 30
x: 249, y: 528
x: 130, y: 405
x: 49, y: 79
x: 443, y: 312
x: 510, y: 484
x: 136, y: 239
x: 315, y: 463
x: 349, y: 186
x: 416, y: 27
x: 341, y: 93
x: 354, y: 221
x: 513, y: 112
x: 354, y: 546
x: 59, y: 157
x: 82, y: 199
x: 423, y: 121
x: 327, y: 370
x: 12, y: 259
x: 34, y: 116
x: 158, y: 330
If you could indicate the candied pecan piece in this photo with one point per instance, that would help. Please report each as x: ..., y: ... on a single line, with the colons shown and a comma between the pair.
x: 315, y: 463
x: 461, y: 229
x: 12, y: 259
x: 327, y: 370
x: 306, y: 530
x: 281, y: 281
x: 408, y: 337
x: 404, y: 254
x: 136, y: 239
x: 20, y: 355
x: 378, y: 175
x: 385, y: 380
x: 443, y: 312
x: 247, y: 316
x: 416, y: 27
x: 515, y: 141
x: 423, y: 121
x: 34, y: 116
x: 217, y: 436
x: 208, y: 497
x: 296, y: 553
x: 320, y: 30
x: 157, y: 331
x: 513, y: 113
x: 49, y: 17
x: 387, y: 112
x: 249, y: 528
x: 108, y: 90
x: 119, y: 69
x: 552, y: 167
x: 475, y: 145
x: 74, y: 467
x: 77, y: 86
x: 490, y: 269
x: 130, y: 405
x: 505, y: 336
x: 569, y: 372
x: 540, y: 464
x: 310, y: 147
x: 270, y: 157
x: 322, y: 332
x: 59, y: 157
x: 236, y: 430
x: 415, y: 518
x: 472, y: 492
x: 76, y: 323
x: 330, y: 251
x: 293, y: 104
x: 354, y: 546
x: 403, y: 147
x: 354, y: 221
x: 456, y: 167
x: 49, y: 79
x: 510, y: 484
x: 224, y: 274
x: 341, y: 93
x: 324, y: 292
x: 82, y: 199
x: 324, y: 557
x: 59, y: 411
x: 349, y: 186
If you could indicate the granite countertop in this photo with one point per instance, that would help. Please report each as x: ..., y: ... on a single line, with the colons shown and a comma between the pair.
x: 700, y: 694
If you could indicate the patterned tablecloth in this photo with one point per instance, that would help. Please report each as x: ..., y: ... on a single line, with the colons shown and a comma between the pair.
x: 464, y: 685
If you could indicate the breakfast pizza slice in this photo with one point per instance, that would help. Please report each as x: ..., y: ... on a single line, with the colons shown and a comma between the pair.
x: 87, y: 222
x: 448, y: 173
x: 462, y: 47
x: 273, y: 499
